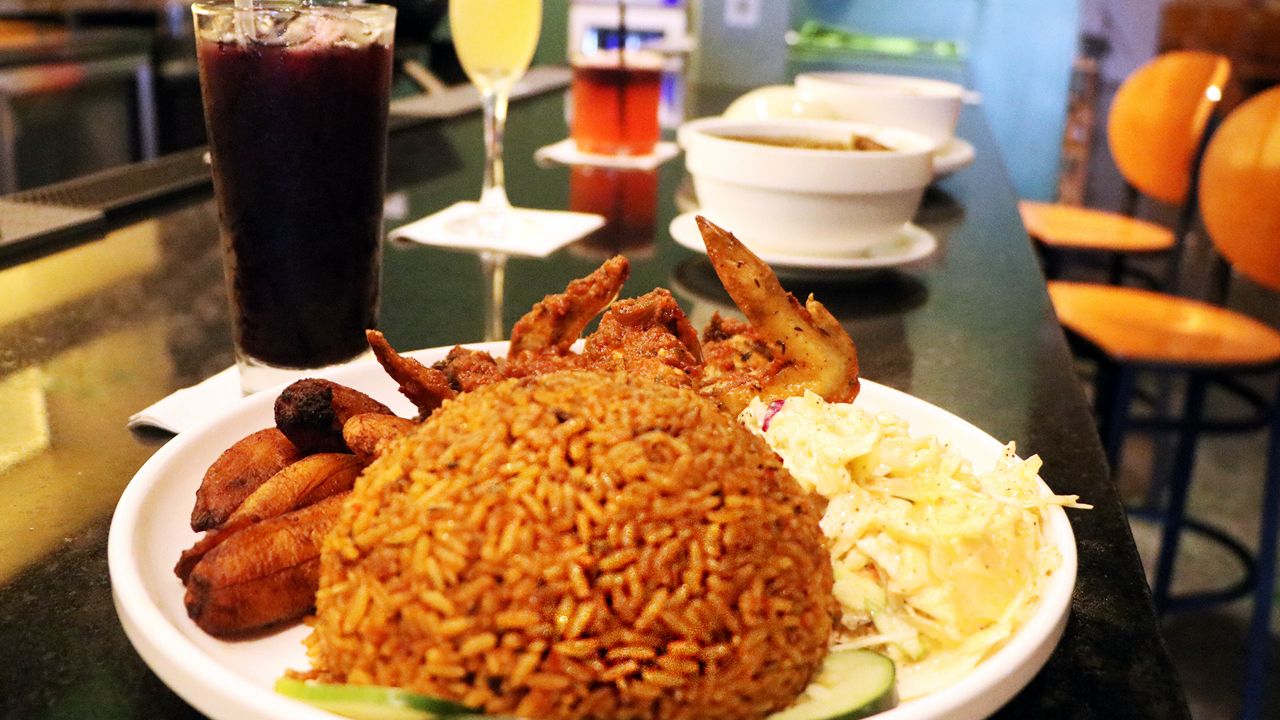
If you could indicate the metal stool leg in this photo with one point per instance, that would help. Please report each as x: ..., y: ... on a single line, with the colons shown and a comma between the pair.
x: 1115, y: 394
x: 1051, y: 262
x: 1115, y: 269
x: 8, y: 147
x: 1179, y: 483
x: 1162, y: 465
x: 1255, y: 679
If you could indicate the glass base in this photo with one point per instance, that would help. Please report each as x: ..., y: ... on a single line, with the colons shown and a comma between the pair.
x: 256, y: 376
x: 492, y: 228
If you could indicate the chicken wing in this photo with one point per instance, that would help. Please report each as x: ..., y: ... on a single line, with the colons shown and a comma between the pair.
x: 809, y: 348
x: 556, y: 322
x: 648, y: 336
x: 425, y: 387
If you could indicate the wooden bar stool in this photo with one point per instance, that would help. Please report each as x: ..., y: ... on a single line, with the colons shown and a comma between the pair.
x: 1154, y: 129
x: 1132, y: 330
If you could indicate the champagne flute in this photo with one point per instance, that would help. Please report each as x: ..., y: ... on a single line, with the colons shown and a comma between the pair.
x: 495, y: 40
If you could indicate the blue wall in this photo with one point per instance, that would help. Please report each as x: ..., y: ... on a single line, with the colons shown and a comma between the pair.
x: 1020, y: 54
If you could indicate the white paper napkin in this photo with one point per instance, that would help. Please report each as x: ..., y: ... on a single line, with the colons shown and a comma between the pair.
x: 537, y: 233
x: 566, y: 152
x: 189, y: 406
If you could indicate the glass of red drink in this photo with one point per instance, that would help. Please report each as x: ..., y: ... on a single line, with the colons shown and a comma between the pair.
x: 295, y: 103
x: 615, y: 102
x: 628, y: 200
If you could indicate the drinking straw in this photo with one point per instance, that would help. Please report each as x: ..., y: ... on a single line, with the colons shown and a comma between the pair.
x: 245, y: 28
x: 622, y: 33
x: 622, y: 70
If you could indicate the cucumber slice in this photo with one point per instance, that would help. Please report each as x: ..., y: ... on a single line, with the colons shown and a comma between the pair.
x: 858, y: 683
x: 369, y: 702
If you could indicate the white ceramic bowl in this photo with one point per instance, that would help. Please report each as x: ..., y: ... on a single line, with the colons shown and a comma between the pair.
x: 926, y: 106
x: 778, y: 102
x: 833, y: 203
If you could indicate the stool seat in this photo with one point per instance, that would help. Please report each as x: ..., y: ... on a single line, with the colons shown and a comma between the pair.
x: 1070, y: 227
x: 1133, y: 325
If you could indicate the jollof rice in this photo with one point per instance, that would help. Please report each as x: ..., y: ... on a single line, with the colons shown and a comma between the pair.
x: 579, y: 546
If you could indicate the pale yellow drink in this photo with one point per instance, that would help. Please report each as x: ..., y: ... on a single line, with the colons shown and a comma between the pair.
x: 495, y: 39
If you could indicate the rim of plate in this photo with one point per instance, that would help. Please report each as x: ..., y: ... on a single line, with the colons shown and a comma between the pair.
x: 214, y: 689
x: 921, y: 244
x: 956, y: 154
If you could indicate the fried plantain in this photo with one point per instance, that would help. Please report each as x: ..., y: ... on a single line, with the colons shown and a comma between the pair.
x: 237, y: 473
x: 211, y: 539
x: 309, y: 480
x: 264, y: 574
x: 367, y: 434
x: 311, y: 413
x: 297, y: 485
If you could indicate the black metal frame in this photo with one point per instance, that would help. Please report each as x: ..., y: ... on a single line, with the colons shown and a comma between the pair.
x: 1115, y: 387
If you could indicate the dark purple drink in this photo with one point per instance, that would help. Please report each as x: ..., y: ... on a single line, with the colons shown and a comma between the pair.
x: 298, y: 142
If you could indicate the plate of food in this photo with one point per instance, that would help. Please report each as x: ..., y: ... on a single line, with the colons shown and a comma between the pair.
x: 644, y: 522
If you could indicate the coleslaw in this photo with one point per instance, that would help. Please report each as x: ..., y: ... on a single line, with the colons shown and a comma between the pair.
x: 935, y: 565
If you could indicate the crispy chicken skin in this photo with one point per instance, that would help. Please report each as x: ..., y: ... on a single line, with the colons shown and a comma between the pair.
x: 555, y: 323
x: 784, y: 348
x: 649, y: 337
x: 467, y: 369
x: 810, y: 350
x: 425, y: 387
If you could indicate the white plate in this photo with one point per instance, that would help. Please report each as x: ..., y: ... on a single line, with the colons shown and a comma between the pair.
x: 956, y: 154
x: 233, y: 680
x: 912, y: 243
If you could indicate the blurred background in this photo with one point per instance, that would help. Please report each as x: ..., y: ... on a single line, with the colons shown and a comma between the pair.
x: 85, y: 84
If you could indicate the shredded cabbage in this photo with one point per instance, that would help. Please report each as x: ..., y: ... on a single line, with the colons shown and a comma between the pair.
x: 934, y: 565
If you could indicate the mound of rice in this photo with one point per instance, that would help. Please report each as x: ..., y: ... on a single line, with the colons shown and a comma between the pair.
x: 579, y: 546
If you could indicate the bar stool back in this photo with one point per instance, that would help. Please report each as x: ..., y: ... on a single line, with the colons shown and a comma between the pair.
x: 1154, y: 129
x: 1131, y: 330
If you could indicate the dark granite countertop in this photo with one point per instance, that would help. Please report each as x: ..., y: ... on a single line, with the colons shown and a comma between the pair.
x: 103, y: 326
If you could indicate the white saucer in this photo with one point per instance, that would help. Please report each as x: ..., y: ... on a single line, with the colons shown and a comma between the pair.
x: 566, y: 152
x: 956, y: 154
x: 912, y: 243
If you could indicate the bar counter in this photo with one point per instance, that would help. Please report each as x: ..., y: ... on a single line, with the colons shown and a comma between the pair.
x: 118, y: 316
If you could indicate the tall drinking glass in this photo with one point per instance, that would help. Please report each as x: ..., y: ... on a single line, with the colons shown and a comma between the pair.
x: 295, y: 102
x: 495, y: 40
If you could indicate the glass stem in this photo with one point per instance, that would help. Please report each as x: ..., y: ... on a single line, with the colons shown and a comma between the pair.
x: 493, y: 265
x: 493, y: 197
